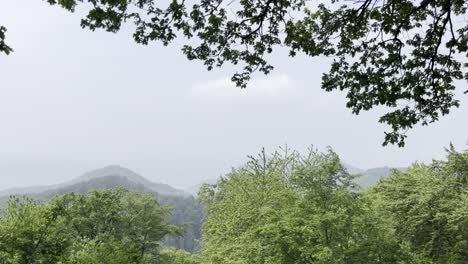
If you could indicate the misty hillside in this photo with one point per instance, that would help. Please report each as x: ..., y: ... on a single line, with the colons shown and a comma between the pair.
x: 372, y: 176
x: 113, y: 170
x: 83, y: 187
x: 116, y: 170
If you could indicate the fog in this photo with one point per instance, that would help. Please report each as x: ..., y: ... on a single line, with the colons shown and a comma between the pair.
x: 72, y: 100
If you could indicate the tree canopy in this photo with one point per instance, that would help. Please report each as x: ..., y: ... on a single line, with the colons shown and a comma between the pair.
x: 105, y: 226
x: 429, y: 208
x: 3, y: 46
x: 403, y: 54
x: 292, y: 208
x: 278, y: 208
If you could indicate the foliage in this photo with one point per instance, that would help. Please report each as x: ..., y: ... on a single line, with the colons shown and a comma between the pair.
x: 106, y: 226
x: 291, y: 208
x: 403, y: 54
x: 30, y: 233
x: 174, y: 256
x: 239, y: 205
x: 279, y: 208
x: 3, y: 46
x: 288, y: 208
x: 428, y: 204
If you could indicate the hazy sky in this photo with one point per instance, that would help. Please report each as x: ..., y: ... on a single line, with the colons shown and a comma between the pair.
x: 73, y: 100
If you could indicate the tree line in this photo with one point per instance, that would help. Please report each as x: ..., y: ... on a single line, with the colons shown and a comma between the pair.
x: 282, y: 208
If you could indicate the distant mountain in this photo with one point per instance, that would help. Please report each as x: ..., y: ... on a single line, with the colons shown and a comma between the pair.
x: 86, y: 186
x: 25, y: 190
x: 372, y: 176
x: 113, y: 170
x: 116, y: 170
x: 351, y: 169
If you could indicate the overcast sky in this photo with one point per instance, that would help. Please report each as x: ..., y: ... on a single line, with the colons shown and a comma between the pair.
x: 73, y: 100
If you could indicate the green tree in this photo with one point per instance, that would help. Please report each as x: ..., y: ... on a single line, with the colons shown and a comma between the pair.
x: 428, y: 204
x: 133, y: 219
x: 403, y: 54
x: 32, y: 233
x: 106, y: 226
x: 173, y: 256
x: 289, y: 208
x: 240, y: 204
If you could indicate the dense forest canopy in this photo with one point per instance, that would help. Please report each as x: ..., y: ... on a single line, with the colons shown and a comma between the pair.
x: 107, y: 226
x: 406, y: 55
x: 284, y: 207
x: 292, y: 208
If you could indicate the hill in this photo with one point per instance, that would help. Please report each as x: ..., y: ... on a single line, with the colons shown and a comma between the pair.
x: 112, y: 170
x: 372, y: 176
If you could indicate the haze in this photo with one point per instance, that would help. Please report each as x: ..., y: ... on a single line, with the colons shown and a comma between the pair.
x: 73, y: 100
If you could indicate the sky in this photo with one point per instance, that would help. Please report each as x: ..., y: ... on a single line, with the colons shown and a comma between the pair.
x: 72, y: 100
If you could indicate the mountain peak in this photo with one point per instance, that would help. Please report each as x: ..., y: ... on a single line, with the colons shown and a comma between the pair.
x: 113, y: 170
x: 120, y: 171
x: 111, y: 175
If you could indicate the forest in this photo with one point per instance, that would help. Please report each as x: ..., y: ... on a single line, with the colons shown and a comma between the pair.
x: 281, y: 207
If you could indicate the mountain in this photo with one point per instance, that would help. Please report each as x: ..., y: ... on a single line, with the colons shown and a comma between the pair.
x: 116, y: 170
x: 105, y: 182
x: 372, y: 176
x: 351, y: 169
x: 112, y: 170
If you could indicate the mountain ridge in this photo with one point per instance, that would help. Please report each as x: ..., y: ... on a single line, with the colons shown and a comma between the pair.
x: 110, y: 170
